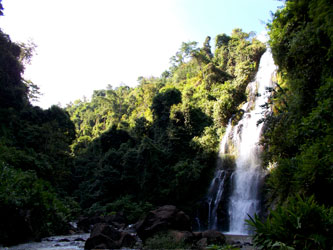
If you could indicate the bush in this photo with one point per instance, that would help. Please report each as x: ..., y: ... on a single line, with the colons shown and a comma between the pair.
x: 164, y: 240
x: 133, y: 211
x: 301, y: 223
x: 29, y: 208
x: 224, y: 247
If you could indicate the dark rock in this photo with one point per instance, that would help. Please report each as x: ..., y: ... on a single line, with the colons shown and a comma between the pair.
x: 197, y: 235
x: 79, y: 239
x: 119, y: 226
x: 85, y: 224
x: 100, y: 242
x: 127, y: 240
x: 202, y: 244
x: 64, y: 240
x: 182, y: 236
x: 214, y: 237
x: 104, y: 236
x: 105, y: 229
x: 162, y: 219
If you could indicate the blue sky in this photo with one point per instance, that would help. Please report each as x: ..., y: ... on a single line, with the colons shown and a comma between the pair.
x: 86, y: 45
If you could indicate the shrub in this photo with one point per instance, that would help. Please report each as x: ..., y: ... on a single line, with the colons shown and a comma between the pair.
x: 29, y: 207
x: 131, y: 209
x: 164, y: 240
x: 301, y: 223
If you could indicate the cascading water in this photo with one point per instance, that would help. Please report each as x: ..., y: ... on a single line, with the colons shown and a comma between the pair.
x: 241, y: 141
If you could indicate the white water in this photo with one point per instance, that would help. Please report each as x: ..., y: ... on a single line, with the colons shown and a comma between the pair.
x: 248, y: 175
x: 216, y: 188
x: 243, y: 138
x: 68, y: 242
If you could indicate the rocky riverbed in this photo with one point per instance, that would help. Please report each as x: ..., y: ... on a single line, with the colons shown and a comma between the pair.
x: 76, y: 242
x: 244, y: 242
x: 68, y: 242
x: 110, y: 233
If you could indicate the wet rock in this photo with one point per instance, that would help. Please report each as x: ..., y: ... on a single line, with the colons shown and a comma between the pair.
x: 64, y: 240
x: 104, y: 236
x: 105, y: 229
x: 79, y: 239
x: 163, y: 219
x: 127, y: 240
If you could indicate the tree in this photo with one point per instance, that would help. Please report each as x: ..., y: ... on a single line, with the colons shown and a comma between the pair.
x: 186, y: 51
x: 162, y: 103
x: 206, y: 47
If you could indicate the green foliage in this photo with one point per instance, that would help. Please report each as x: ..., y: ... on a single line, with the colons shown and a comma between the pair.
x: 29, y: 206
x: 299, y: 224
x: 131, y: 209
x: 162, y: 103
x: 13, y: 92
x: 299, y: 132
x: 298, y: 135
x: 185, y: 51
x: 35, y: 160
x: 224, y: 247
x: 164, y: 240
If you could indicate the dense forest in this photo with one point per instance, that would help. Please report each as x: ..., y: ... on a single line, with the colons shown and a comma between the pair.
x: 133, y: 149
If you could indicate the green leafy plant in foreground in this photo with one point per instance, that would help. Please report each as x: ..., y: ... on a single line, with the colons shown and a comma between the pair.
x: 301, y: 223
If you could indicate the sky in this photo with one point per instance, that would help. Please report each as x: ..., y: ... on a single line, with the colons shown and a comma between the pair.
x: 86, y: 45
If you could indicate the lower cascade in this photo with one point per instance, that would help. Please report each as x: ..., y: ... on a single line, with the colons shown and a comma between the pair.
x: 234, y: 193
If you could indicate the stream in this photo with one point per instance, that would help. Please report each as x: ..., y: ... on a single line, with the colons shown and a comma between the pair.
x: 68, y: 242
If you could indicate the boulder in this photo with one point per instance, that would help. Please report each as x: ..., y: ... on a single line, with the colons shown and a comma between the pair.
x: 213, y: 237
x: 202, y: 244
x: 182, y: 236
x: 197, y: 235
x: 127, y: 240
x: 117, y: 220
x: 209, y: 237
x: 104, y: 236
x: 163, y: 219
x: 85, y: 224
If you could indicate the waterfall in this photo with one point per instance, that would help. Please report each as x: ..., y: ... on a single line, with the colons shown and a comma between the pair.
x: 241, y: 141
